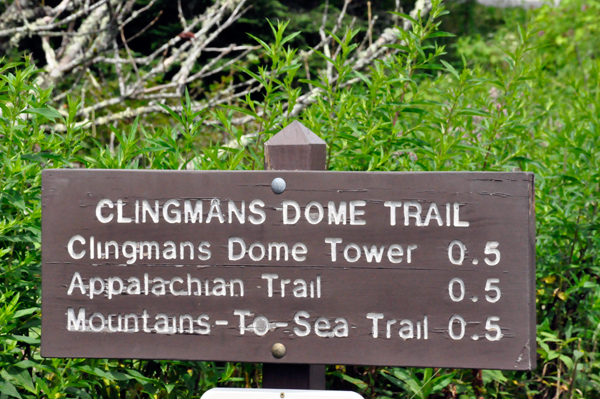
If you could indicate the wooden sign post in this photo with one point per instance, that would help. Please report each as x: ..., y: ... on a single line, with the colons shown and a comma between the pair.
x: 295, y: 148
x: 301, y: 267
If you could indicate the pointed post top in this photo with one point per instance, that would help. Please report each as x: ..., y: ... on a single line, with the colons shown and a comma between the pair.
x: 295, y: 134
x: 295, y: 147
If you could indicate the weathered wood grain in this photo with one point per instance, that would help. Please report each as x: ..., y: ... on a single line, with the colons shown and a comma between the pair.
x: 498, y: 206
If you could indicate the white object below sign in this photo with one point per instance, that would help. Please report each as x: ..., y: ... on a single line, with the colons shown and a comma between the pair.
x: 259, y: 393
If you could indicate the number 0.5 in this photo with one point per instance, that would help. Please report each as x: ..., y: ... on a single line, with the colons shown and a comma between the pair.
x: 490, y: 325
x: 489, y: 286
x: 491, y: 248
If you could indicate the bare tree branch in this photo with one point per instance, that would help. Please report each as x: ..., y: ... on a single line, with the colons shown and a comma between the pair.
x: 201, y: 40
x: 38, y: 27
x: 93, y: 35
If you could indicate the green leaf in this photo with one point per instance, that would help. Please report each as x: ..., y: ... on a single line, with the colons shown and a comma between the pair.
x: 27, y: 340
x: 405, y: 16
x: 290, y: 37
x: 22, y: 378
x: 262, y: 43
x: 15, y: 199
x: 362, y: 77
x: 359, y: 383
x: 567, y: 361
x: 171, y: 112
x: 493, y: 375
x: 138, y: 376
x: 440, y: 34
x: 316, y: 83
x: 398, y: 47
x: 241, y: 110
x: 473, y: 112
x: 25, y: 312
x: 441, y: 382
x: 9, y: 389
x: 28, y: 364
x: 48, y: 113
x: 414, y: 111
x: 42, y: 156
x: 451, y: 69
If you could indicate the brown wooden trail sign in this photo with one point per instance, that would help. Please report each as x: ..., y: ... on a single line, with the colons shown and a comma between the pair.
x: 398, y: 269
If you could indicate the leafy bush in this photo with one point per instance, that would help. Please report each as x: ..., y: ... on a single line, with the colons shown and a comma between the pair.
x: 533, y: 106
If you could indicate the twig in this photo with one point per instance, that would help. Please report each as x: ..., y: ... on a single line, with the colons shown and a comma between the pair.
x: 307, y: 70
x: 369, y: 30
x: 557, y: 396
x: 131, y: 59
x: 326, y: 43
x: 145, y: 28
x: 180, y: 13
x: 118, y: 70
x: 366, y: 38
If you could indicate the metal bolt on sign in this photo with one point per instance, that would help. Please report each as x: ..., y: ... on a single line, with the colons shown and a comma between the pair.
x: 278, y: 350
x: 278, y: 185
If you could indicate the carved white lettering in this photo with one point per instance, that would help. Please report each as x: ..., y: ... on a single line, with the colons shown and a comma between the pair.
x: 354, y: 212
x: 269, y: 277
x: 392, y: 205
x: 147, y: 210
x: 175, y: 215
x: 373, y: 254
x: 242, y: 315
x: 70, y: 249
x: 312, y: 216
x: 416, y: 214
x: 356, y: 256
x: 120, y: 217
x: 337, y: 216
x: 76, y: 323
x: 395, y: 253
x: 238, y: 212
x: 191, y: 215
x: 457, y: 221
x: 230, y: 248
x: 215, y: 211
x: 203, y: 251
x: 299, y: 319
x: 322, y: 327
x: 146, y: 248
x: 254, y: 208
x: 433, y: 213
x: 298, y: 250
x: 114, y: 286
x: 102, y: 204
x: 278, y: 247
x: 76, y: 282
x: 333, y: 242
x: 375, y: 317
x: 286, y: 206
x: 130, y: 251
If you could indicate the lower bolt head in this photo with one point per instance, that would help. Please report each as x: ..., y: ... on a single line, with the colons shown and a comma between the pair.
x: 278, y: 351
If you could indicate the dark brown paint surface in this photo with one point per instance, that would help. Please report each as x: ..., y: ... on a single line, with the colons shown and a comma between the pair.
x: 498, y: 206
